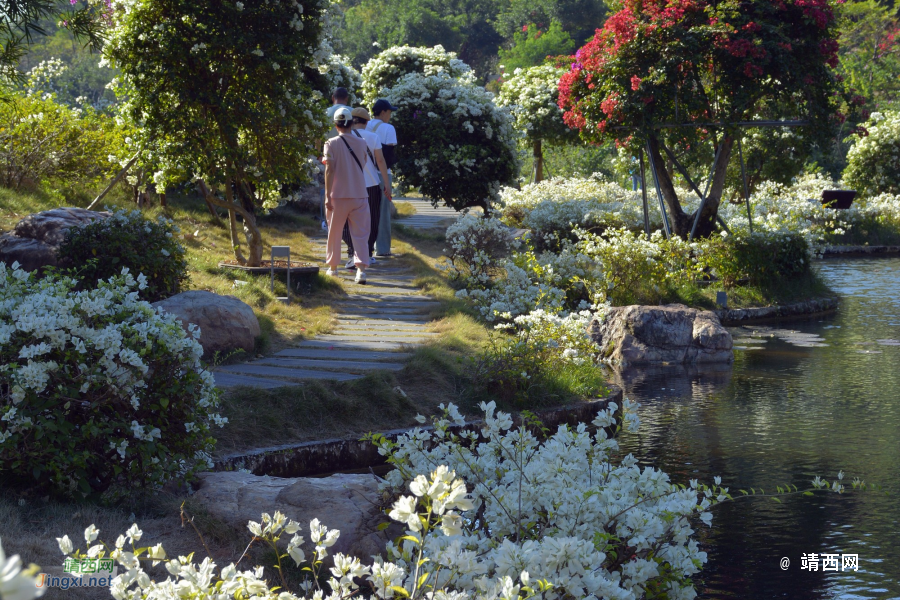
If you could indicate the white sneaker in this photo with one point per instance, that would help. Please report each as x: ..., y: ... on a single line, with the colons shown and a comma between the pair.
x: 361, y: 277
x: 330, y: 272
x: 350, y: 264
x: 371, y: 260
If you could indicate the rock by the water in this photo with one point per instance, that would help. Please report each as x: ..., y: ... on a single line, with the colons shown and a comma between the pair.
x: 35, y: 240
x: 348, y: 502
x: 225, y: 322
x: 675, y: 334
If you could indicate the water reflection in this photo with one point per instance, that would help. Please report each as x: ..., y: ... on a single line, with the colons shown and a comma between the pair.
x: 802, y: 398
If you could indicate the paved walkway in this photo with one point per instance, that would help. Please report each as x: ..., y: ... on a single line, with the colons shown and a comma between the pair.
x: 378, y: 323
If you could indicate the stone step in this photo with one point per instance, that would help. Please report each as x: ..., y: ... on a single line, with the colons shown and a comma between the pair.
x: 348, y: 366
x: 326, y: 354
x: 381, y: 326
x: 285, y: 373
x: 356, y: 346
x: 378, y: 336
x: 384, y: 317
x: 227, y: 380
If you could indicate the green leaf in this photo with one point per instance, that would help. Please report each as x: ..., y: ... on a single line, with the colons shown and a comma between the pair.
x: 399, y: 590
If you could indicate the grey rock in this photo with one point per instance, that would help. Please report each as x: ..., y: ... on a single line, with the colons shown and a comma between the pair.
x: 674, y: 334
x: 225, y: 322
x: 35, y: 240
x: 350, y: 503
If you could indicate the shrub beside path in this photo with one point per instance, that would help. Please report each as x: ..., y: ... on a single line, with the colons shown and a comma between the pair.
x: 378, y: 323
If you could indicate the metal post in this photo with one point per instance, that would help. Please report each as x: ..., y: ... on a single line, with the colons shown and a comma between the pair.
x: 644, y: 197
x: 746, y: 189
x: 662, y: 206
x: 284, y: 251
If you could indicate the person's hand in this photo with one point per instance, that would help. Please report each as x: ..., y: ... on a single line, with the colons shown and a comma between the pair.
x: 328, y: 203
x: 387, y: 194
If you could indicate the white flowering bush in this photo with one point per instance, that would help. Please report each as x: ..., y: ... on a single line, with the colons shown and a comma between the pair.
x: 475, y: 246
x: 549, y: 358
x: 385, y: 70
x: 533, y: 96
x: 339, y: 72
x: 873, y: 162
x: 100, y: 249
x: 456, y: 145
x: 99, y: 393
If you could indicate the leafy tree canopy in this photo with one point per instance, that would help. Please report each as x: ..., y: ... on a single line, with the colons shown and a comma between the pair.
x: 532, y: 46
x: 226, y: 92
x: 659, y: 62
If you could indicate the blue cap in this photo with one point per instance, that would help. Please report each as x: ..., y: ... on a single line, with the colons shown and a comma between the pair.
x: 382, y: 105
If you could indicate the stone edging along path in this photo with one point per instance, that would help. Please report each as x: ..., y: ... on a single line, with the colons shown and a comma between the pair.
x: 328, y: 456
x: 377, y: 323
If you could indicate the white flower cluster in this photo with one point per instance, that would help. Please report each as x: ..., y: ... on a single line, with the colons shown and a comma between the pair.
x: 476, y: 245
x: 566, y: 334
x: 491, y: 515
x: 85, y: 349
x: 387, y: 68
x: 873, y: 162
x: 339, y: 72
x: 556, y: 205
x: 561, y: 510
x: 532, y: 95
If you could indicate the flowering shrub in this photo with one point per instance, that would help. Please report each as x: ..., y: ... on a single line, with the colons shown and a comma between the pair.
x: 533, y: 96
x: 98, y: 392
x: 873, y: 162
x: 339, y: 72
x: 385, y: 70
x: 549, y: 358
x: 100, y: 249
x: 764, y: 59
x: 763, y: 259
x: 476, y: 245
x: 456, y: 145
x: 42, y: 140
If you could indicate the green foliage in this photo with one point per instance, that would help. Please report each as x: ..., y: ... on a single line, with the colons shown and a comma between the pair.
x: 764, y: 260
x: 546, y: 361
x: 873, y: 163
x: 463, y: 26
x: 531, y: 47
x: 100, y: 394
x: 101, y: 249
x: 573, y: 160
x: 578, y: 18
x: 870, y: 51
x: 43, y: 141
x: 21, y: 21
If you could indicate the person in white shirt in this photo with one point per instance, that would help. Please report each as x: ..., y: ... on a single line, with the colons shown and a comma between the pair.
x: 339, y: 99
x: 376, y: 178
x: 380, y: 125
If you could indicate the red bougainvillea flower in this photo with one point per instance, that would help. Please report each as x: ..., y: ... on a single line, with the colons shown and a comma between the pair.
x: 635, y: 83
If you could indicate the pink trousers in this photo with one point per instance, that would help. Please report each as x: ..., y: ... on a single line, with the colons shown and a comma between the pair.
x: 354, y: 212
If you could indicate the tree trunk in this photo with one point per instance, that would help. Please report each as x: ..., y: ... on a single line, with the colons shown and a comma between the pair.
x: 205, y: 193
x: 162, y: 200
x: 680, y: 221
x: 538, y: 162
x: 251, y: 231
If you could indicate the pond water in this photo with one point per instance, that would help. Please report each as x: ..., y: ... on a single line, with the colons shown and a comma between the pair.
x: 803, y: 398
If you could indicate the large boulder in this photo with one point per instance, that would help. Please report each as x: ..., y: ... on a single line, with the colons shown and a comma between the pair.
x: 225, y: 322
x: 348, y: 502
x: 674, y: 334
x: 35, y: 240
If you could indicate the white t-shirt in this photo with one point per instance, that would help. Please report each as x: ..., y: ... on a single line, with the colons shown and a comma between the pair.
x: 373, y: 143
x: 386, y: 132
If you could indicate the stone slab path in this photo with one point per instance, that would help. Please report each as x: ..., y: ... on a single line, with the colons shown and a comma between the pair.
x: 377, y: 324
